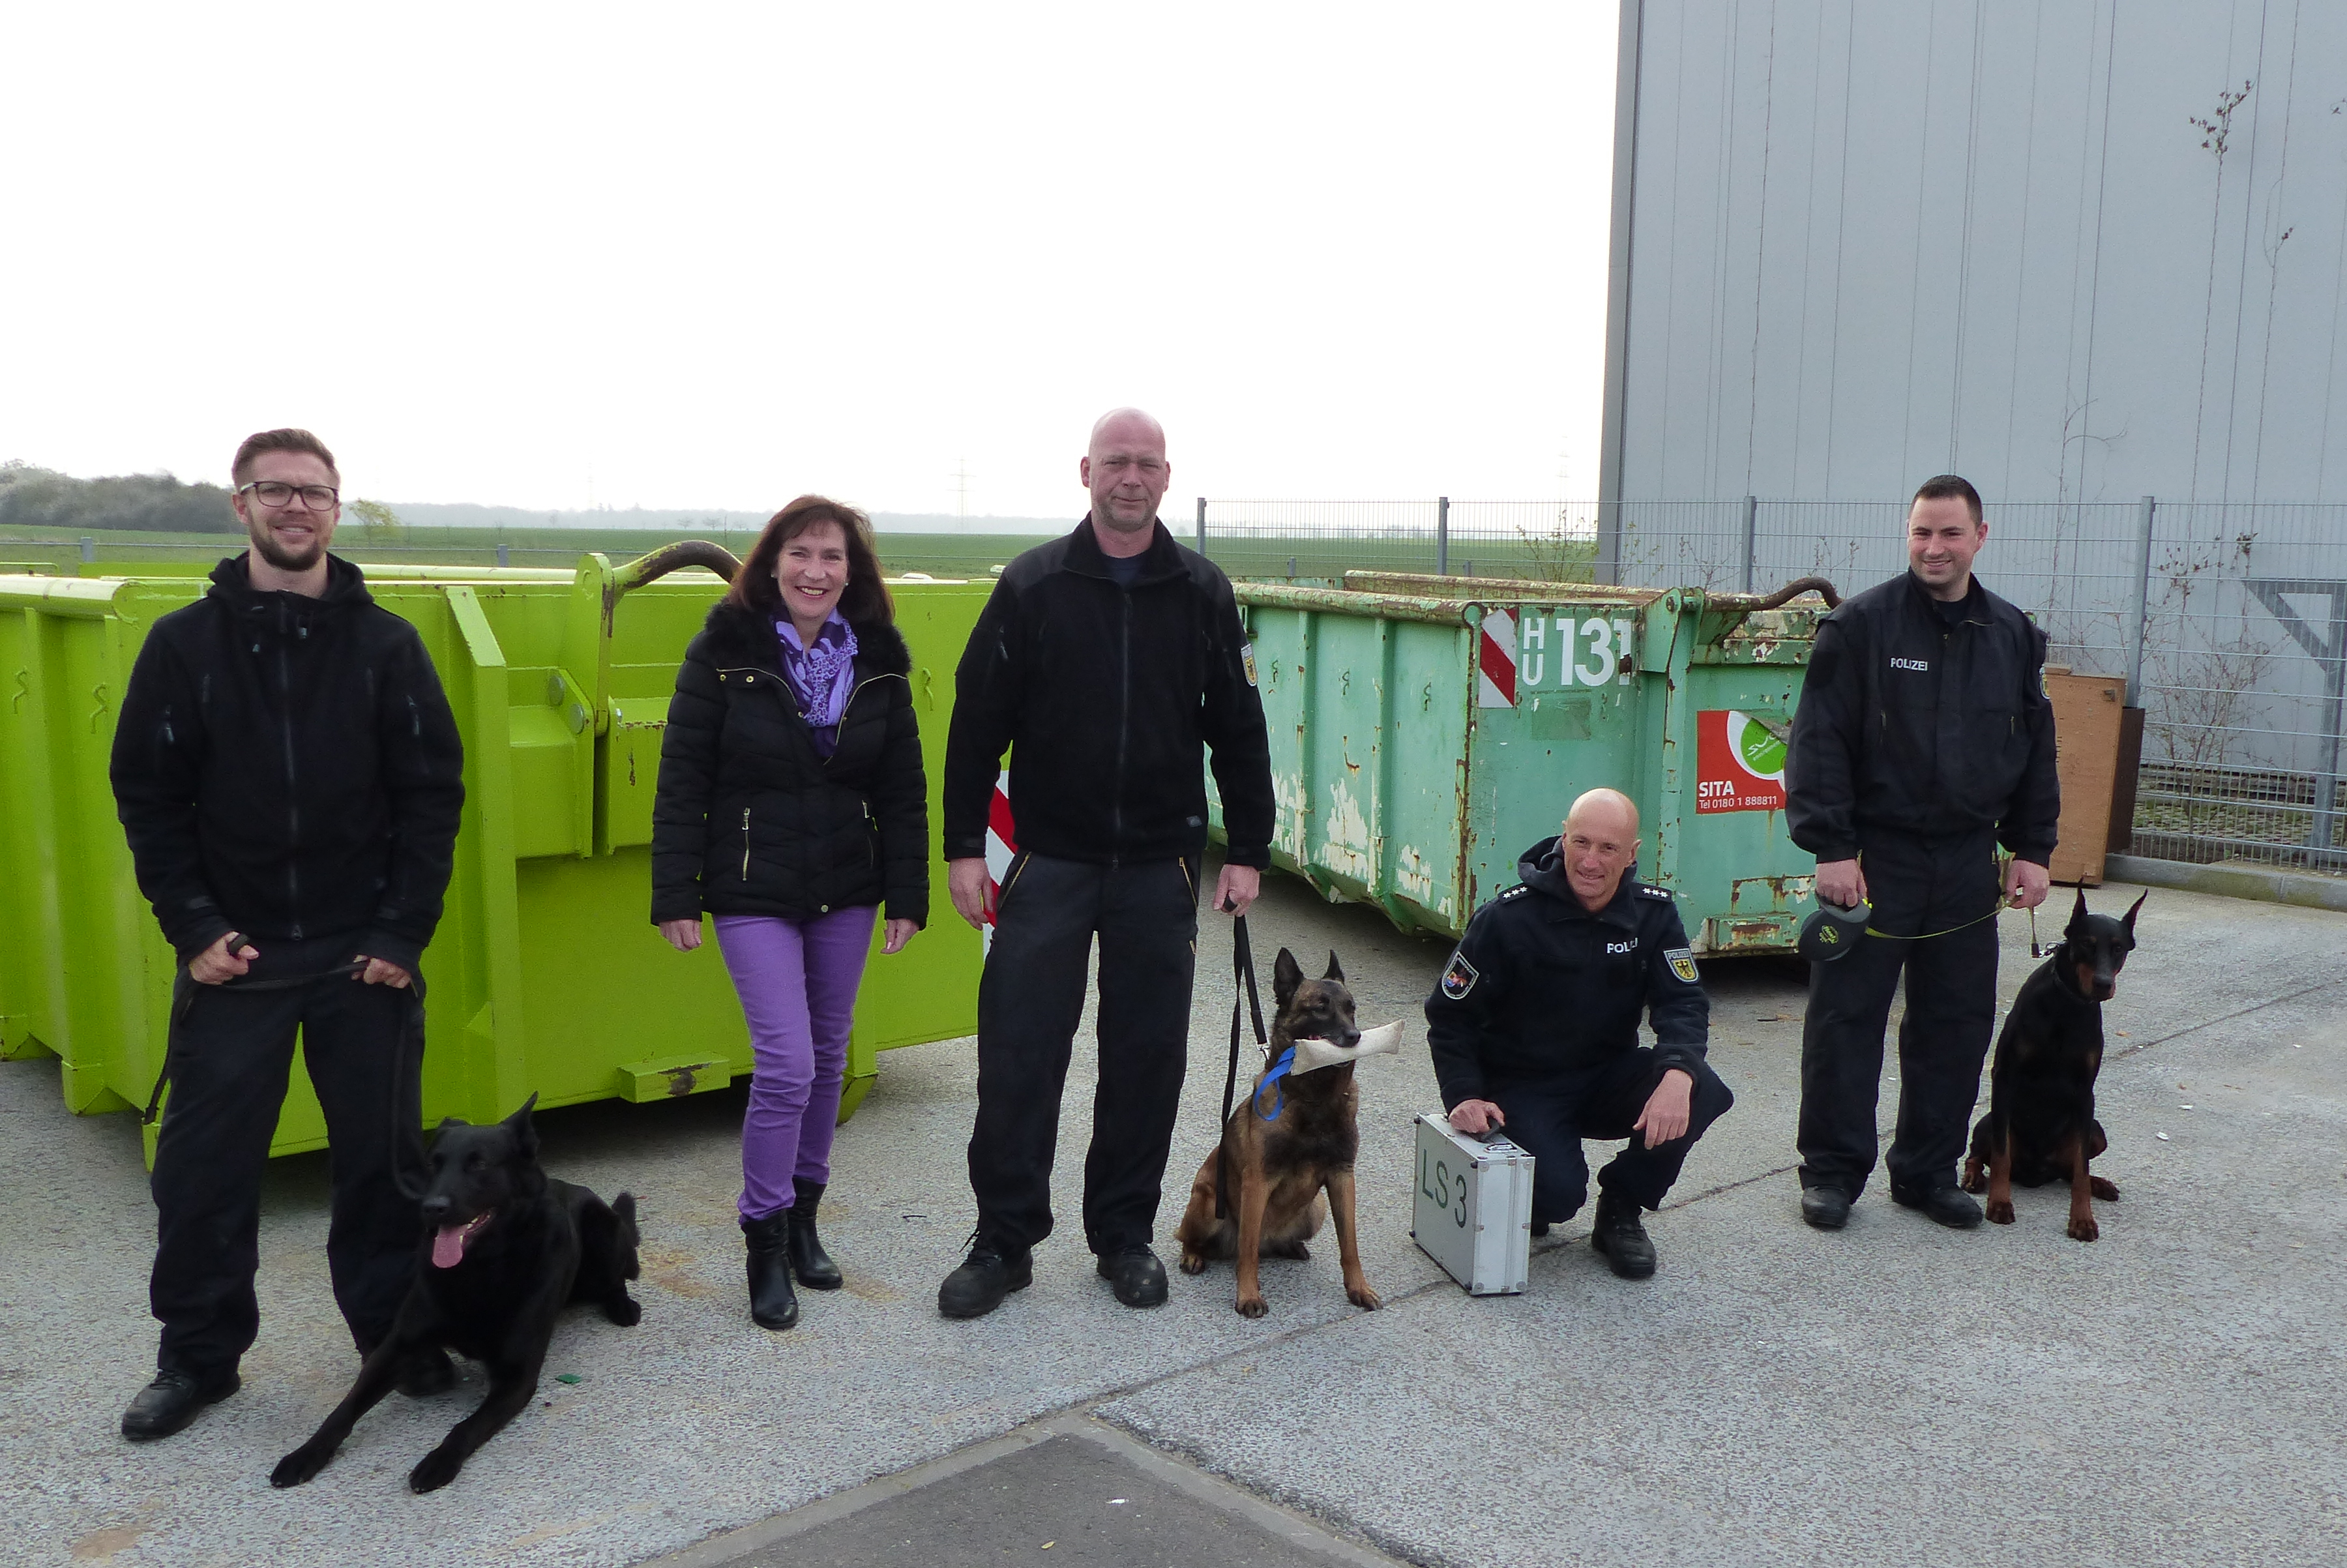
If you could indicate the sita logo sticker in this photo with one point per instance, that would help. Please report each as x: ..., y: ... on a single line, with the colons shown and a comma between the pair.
x: 1739, y: 761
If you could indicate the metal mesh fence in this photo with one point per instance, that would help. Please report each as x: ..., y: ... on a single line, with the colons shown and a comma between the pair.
x: 2228, y: 621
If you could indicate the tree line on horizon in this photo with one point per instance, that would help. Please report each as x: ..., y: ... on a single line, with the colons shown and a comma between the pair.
x: 39, y: 498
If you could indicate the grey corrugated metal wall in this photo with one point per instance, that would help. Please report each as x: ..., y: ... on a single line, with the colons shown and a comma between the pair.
x: 1858, y: 242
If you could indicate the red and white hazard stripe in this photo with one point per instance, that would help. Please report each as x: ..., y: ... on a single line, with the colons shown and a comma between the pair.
x: 1001, y: 844
x: 1495, y: 660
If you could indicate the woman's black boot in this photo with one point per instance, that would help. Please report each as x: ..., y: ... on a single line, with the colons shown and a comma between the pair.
x: 772, y: 1303
x: 808, y: 1260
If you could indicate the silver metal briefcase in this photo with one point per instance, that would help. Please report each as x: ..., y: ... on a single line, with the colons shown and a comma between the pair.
x: 1473, y: 1209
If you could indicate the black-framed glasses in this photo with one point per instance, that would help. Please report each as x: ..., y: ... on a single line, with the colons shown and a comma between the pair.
x: 277, y: 493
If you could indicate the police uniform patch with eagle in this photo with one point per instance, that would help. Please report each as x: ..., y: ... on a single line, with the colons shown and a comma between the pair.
x: 1682, y: 962
x: 1460, y: 978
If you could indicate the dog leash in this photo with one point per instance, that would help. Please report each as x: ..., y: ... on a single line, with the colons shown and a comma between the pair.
x: 1243, y: 969
x: 1927, y: 935
x: 184, y: 990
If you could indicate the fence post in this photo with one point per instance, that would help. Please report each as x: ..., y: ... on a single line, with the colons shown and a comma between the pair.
x: 1201, y: 524
x: 1442, y: 537
x: 1609, y: 541
x: 1751, y: 537
x: 2142, y: 607
x: 501, y: 555
x: 88, y: 547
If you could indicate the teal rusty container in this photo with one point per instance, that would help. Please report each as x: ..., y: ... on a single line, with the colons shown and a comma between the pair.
x: 546, y: 975
x: 1425, y: 731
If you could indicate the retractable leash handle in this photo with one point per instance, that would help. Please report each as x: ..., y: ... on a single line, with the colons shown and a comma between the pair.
x: 1243, y: 969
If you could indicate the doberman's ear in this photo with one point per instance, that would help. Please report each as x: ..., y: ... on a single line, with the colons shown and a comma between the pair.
x: 2078, y: 910
x: 2129, y: 921
x: 1336, y: 969
x: 1286, y: 974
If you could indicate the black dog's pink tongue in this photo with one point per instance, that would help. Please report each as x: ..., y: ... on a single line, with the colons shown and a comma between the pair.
x: 448, y: 1245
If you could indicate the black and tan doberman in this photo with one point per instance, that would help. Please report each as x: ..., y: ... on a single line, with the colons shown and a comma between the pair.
x: 2041, y: 1125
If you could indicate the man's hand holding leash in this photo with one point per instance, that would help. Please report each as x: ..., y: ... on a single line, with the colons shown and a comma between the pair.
x: 1842, y: 884
x: 1237, y: 889
x: 2026, y: 883
x: 223, y: 961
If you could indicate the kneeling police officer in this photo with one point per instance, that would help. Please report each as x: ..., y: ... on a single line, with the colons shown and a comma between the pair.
x: 1534, y: 1029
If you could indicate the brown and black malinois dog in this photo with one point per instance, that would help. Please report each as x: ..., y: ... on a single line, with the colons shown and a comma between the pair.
x: 1290, y: 1149
x: 2041, y: 1125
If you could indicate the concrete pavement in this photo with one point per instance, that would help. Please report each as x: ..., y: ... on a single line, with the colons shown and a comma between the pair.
x: 1896, y: 1393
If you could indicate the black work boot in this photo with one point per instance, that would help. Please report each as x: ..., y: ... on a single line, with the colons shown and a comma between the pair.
x: 1135, y: 1274
x: 1946, y: 1204
x: 984, y: 1277
x: 808, y: 1260
x: 1824, y: 1208
x: 173, y: 1400
x: 772, y: 1303
x: 1618, y: 1233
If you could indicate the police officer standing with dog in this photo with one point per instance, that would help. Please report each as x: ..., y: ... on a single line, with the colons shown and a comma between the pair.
x: 1923, y: 740
x: 290, y: 780
x: 1534, y: 1029
x: 1106, y: 662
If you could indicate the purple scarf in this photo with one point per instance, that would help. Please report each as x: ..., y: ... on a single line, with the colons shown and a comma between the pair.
x: 821, y: 677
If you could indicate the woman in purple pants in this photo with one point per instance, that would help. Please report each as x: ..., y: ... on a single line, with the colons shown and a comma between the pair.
x: 791, y: 807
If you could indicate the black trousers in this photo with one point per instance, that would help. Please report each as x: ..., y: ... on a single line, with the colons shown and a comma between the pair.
x: 1917, y: 885
x: 231, y: 1055
x: 1029, y: 1003
x: 1549, y: 1119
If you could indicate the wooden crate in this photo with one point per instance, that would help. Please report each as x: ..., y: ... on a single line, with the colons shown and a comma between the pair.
x: 2086, y: 720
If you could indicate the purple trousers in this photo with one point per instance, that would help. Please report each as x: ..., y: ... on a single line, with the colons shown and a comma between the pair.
x: 797, y: 982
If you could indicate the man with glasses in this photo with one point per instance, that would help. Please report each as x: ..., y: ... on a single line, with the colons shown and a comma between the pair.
x: 290, y: 778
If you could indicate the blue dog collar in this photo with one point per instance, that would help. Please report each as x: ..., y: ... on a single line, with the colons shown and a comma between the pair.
x: 1279, y: 1069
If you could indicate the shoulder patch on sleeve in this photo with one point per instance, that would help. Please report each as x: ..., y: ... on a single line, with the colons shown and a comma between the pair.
x: 1460, y: 978
x: 1247, y: 657
x: 1682, y: 962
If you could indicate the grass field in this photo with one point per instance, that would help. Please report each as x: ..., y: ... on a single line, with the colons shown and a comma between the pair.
x: 1260, y: 556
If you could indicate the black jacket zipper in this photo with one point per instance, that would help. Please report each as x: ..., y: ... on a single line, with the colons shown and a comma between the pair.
x: 294, y: 798
x: 1124, y: 720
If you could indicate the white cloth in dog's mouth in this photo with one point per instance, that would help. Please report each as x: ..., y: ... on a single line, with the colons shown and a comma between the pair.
x: 1311, y: 1055
x: 449, y: 1242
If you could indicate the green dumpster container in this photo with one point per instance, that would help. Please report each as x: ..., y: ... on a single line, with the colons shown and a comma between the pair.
x: 1425, y: 730
x: 546, y: 974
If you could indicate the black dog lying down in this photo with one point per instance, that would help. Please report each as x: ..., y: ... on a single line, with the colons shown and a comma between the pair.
x: 509, y: 1248
x: 2041, y: 1125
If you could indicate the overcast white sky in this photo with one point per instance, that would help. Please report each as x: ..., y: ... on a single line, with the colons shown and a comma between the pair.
x: 716, y: 255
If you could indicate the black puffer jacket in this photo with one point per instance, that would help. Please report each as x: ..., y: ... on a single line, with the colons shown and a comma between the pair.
x: 751, y: 819
x: 287, y: 767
